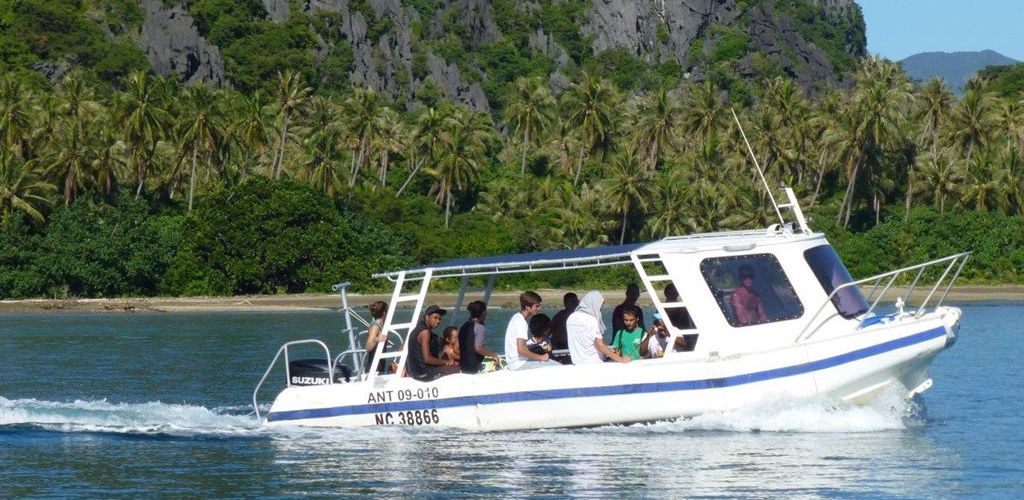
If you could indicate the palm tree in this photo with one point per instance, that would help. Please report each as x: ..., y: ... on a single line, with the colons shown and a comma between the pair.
x: 530, y: 111
x: 668, y: 207
x: 627, y: 186
x: 391, y: 138
x: 16, y: 105
x: 251, y: 130
x: 657, y: 118
x: 322, y: 140
x: 459, y: 162
x: 200, y: 130
x: 875, y: 121
x: 20, y: 189
x: 361, y: 110
x: 703, y: 112
x: 143, y: 120
x: 972, y: 121
x: 290, y: 96
x: 941, y: 177
x: 590, y: 106
x: 431, y: 125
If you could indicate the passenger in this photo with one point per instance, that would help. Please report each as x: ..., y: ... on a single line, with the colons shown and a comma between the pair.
x: 632, y: 293
x: 517, y: 356
x: 586, y: 332
x: 540, y: 334
x: 559, y: 339
x: 375, y: 334
x: 450, y: 349
x: 627, y: 340
x: 471, y: 339
x: 423, y: 363
x: 654, y: 344
x: 746, y: 302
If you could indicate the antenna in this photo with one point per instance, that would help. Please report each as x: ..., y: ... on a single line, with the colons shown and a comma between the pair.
x: 759, y: 172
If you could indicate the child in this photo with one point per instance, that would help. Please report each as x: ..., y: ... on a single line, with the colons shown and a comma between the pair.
x: 450, y: 337
x: 654, y: 344
x: 627, y: 340
x: 540, y: 329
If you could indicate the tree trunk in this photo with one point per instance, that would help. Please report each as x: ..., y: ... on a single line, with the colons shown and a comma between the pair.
x: 384, y: 161
x: 579, y: 168
x: 192, y: 181
x: 279, y: 158
x: 447, y: 206
x: 622, y: 234
x: 417, y: 169
x: 522, y: 162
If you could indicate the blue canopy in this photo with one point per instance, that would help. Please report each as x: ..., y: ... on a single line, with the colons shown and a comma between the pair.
x: 525, y: 262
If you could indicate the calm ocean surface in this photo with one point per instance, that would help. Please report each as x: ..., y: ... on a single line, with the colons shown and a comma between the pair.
x: 132, y: 405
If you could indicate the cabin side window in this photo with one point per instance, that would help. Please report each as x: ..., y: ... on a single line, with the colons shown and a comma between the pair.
x: 751, y: 289
x: 832, y: 274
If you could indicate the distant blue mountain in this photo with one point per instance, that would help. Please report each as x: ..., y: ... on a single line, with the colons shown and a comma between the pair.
x: 953, y: 67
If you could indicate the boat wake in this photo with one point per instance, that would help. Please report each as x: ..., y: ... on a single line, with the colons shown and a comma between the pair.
x: 891, y: 411
x: 153, y: 418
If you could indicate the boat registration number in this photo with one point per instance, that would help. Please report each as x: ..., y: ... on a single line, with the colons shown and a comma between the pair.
x: 411, y: 417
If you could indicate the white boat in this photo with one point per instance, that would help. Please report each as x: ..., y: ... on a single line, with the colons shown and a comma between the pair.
x: 822, y: 334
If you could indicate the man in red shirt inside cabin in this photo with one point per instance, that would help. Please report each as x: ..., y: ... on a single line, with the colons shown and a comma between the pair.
x: 745, y: 301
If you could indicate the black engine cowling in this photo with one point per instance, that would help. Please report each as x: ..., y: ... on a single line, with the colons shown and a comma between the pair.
x: 314, y: 372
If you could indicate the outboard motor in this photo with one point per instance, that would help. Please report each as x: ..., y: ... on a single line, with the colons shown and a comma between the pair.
x: 314, y: 372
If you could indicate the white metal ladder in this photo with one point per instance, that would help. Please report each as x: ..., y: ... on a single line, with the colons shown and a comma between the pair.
x: 649, y: 280
x: 403, y: 330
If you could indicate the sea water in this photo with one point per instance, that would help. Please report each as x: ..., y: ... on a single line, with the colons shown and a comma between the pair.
x: 137, y: 404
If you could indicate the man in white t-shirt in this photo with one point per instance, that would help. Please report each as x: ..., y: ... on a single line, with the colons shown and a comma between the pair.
x: 585, y: 330
x: 517, y: 356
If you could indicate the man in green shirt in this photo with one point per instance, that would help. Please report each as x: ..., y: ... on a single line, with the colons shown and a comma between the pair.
x: 627, y: 340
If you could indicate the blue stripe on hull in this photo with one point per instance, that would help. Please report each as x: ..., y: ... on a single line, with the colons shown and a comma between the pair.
x: 614, y: 390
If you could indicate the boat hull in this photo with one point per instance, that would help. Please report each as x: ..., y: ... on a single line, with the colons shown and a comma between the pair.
x: 854, y: 367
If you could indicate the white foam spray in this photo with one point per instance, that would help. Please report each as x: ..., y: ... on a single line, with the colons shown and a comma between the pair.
x: 129, y: 418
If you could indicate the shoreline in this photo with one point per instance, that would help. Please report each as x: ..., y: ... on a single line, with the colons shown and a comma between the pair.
x: 313, y: 302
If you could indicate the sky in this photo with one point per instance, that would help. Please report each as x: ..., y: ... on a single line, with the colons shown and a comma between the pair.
x: 901, y: 28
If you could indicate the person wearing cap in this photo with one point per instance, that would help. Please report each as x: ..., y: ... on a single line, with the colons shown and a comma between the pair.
x: 745, y: 301
x: 423, y: 363
x: 517, y: 355
x: 654, y: 343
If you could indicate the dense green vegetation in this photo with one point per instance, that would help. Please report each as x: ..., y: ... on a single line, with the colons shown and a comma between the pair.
x: 1006, y: 81
x: 162, y: 189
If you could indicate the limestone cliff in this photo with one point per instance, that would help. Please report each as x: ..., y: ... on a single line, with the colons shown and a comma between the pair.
x: 399, y: 46
x: 172, y: 44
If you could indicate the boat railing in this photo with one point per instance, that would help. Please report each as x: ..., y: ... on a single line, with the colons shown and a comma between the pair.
x: 880, y: 284
x: 287, y: 369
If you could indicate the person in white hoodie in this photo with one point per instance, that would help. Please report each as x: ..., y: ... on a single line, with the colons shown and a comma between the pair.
x: 585, y: 330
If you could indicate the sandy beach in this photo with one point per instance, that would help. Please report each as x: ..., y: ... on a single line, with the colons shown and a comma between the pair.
x: 299, y: 302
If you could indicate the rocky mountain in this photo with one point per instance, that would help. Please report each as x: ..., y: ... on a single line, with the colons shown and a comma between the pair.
x: 953, y: 67
x: 470, y: 50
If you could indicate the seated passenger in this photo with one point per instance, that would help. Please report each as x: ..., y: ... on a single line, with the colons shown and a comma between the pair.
x: 471, y: 340
x: 375, y: 334
x: 655, y: 342
x: 423, y: 363
x: 559, y: 339
x: 450, y: 349
x: 517, y: 356
x: 627, y: 340
x: 746, y: 302
x: 540, y: 335
x: 586, y: 332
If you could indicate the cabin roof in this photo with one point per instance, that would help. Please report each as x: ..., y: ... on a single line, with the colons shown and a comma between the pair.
x: 601, y: 256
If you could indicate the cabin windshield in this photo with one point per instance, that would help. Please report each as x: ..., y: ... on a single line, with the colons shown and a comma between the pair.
x: 751, y: 289
x: 832, y: 274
